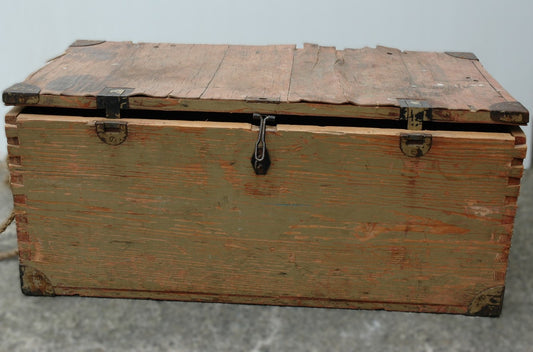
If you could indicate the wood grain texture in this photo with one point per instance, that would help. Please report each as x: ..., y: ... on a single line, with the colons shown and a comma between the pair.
x: 309, y: 81
x: 257, y: 72
x: 342, y: 219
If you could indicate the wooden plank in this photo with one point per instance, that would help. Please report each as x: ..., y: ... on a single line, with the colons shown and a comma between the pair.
x: 374, y: 77
x: 371, y: 77
x: 487, y: 77
x: 444, y: 81
x: 313, y: 70
x: 11, y: 116
x: 177, y: 212
x: 169, y: 70
x: 253, y: 72
x: 304, y: 81
x: 82, y: 71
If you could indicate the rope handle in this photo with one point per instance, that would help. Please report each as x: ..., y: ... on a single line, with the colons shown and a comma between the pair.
x: 3, y: 227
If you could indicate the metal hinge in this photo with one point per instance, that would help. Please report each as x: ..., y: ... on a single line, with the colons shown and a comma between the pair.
x: 415, y: 144
x: 415, y: 112
x: 260, y: 158
x: 113, y: 100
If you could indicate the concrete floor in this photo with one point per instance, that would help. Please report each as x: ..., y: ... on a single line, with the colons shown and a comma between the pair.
x: 88, y: 324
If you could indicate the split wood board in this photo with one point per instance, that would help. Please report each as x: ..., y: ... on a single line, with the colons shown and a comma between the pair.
x: 342, y: 219
x: 280, y: 79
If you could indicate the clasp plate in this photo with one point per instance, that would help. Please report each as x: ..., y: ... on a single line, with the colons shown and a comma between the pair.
x: 415, y: 144
x: 112, y: 132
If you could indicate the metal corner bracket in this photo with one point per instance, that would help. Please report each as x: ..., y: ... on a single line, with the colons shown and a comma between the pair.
x: 488, y: 303
x: 21, y: 94
x: 34, y: 282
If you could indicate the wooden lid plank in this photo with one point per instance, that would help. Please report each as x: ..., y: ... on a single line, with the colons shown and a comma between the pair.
x: 313, y: 80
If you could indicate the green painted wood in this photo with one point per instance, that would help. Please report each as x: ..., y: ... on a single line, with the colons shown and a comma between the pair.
x: 343, y: 218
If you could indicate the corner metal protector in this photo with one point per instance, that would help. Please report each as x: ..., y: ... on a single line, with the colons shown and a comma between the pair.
x: 83, y: 42
x: 21, y: 94
x: 34, y: 283
x: 462, y: 55
x: 509, y: 112
x: 113, y: 100
x: 487, y: 303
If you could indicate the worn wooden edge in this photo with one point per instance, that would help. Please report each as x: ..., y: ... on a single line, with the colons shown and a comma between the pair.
x: 338, y: 130
x: 390, y: 112
x: 23, y: 238
x: 520, y: 152
x: 228, y: 106
x: 86, y: 42
x: 509, y: 112
x: 258, y: 300
x: 488, y: 303
x: 11, y: 115
x: 16, y: 180
x: 462, y: 55
x: 21, y: 94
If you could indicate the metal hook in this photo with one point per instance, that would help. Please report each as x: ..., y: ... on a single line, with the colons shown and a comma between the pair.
x: 260, y: 158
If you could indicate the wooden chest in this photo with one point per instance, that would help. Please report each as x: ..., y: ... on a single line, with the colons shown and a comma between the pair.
x: 369, y: 178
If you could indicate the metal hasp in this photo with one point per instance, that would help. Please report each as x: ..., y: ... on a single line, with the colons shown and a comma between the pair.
x: 112, y: 132
x: 415, y: 144
x: 260, y: 158
x: 113, y: 100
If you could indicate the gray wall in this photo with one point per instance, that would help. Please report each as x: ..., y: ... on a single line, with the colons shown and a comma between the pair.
x: 497, y: 31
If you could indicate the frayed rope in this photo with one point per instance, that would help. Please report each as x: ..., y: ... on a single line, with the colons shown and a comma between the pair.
x: 3, y: 227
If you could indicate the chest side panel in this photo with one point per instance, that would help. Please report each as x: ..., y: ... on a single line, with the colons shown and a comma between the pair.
x: 342, y: 219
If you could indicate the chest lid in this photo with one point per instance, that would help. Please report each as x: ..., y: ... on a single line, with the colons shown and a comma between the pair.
x: 367, y: 83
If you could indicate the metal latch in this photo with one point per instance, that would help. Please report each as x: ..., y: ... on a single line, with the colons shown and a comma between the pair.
x: 260, y: 158
x: 112, y: 132
x: 415, y: 112
x: 415, y: 144
x: 113, y: 100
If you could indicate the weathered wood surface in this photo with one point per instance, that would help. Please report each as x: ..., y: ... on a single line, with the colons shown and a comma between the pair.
x: 342, y: 219
x: 279, y: 79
